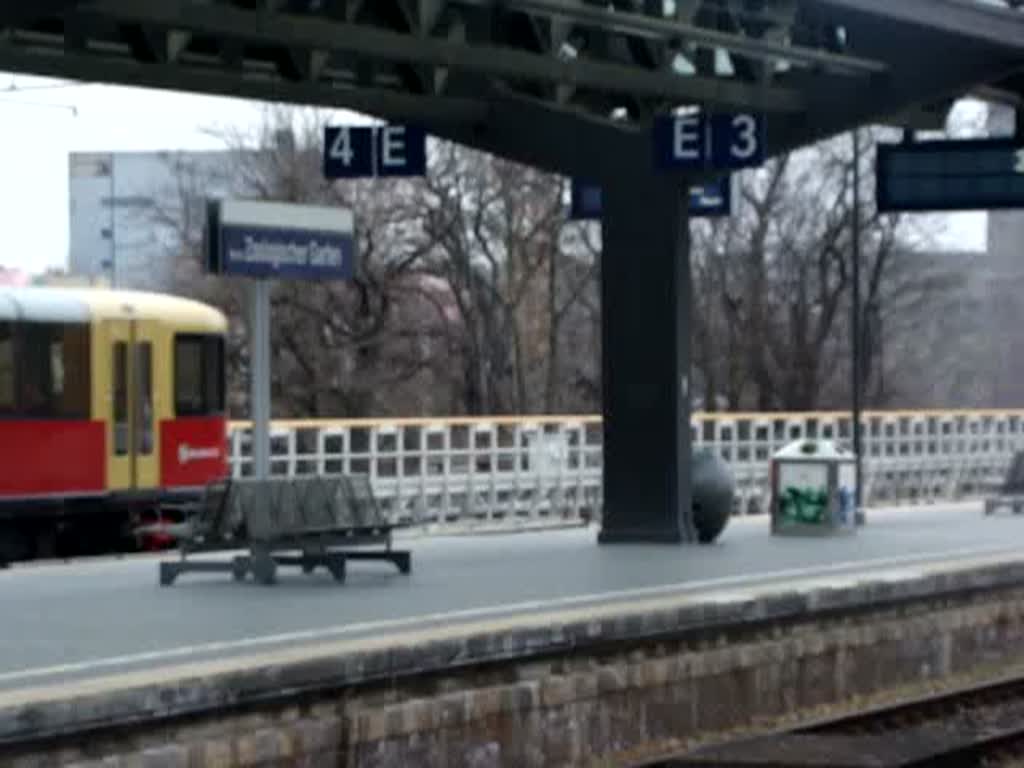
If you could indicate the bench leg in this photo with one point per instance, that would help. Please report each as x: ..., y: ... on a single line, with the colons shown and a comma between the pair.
x: 402, y: 560
x: 311, y: 558
x: 263, y: 568
x: 240, y: 568
x: 168, y: 573
x: 337, y: 566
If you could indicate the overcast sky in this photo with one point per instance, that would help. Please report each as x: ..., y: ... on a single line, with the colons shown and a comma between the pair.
x: 43, y: 120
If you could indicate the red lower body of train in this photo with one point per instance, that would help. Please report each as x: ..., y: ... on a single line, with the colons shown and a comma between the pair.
x: 56, y: 494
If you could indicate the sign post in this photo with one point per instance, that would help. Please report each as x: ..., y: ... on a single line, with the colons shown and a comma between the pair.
x: 856, y: 330
x: 258, y: 294
x: 263, y: 241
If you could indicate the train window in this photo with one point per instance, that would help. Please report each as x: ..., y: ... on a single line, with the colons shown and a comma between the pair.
x: 144, y: 398
x: 198, y: 375
x: 120, y: 402
x: 57, y: 367
x: 6, y: 368
x: 53, y: 370
x: 75, y: 397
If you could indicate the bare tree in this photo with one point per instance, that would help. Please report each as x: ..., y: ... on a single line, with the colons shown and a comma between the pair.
x: 474, y: 293
x: 497, y: 228
x: 467, y: 291
x: 352, y: 348
x: 773, y: 286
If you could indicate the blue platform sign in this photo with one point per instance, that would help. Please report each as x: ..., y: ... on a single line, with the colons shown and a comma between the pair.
x: 950, y: 175
x: 356, y: 152
x: 701, y: 142
x: 279, y: 240
x: 710, y: 200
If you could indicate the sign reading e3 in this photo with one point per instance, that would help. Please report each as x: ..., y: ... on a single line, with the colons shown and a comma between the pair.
x: 352, y: 152
x: 701, y: 142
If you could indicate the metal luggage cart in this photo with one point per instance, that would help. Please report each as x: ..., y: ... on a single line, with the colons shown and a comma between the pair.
x: 306, y: 522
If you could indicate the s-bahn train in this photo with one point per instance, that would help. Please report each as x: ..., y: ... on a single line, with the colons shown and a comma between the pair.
x: 111, y: 404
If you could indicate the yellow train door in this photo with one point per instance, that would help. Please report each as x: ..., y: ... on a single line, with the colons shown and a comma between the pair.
x: 132, y: 460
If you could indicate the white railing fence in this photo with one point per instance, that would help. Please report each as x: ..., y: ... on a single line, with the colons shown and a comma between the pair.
x: 516, y: 471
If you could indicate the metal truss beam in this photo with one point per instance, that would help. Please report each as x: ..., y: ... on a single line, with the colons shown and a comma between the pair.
x: 385, y: 104
x: 1002, y: 92
x: 28, y: 13
x: 321, y: 35
x: 635, y: 23
x: 557, y: 140
x: 965, y: 19
x: 961, y: 68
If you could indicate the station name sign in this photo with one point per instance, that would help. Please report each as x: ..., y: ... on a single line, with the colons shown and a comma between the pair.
x: 950, y: 175
x: 371, y: 151
x: 279, y: 240
x: 709, y: 142
x: 710, y: 200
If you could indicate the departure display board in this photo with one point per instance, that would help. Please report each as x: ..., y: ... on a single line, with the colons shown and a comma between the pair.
x: 946, y: 175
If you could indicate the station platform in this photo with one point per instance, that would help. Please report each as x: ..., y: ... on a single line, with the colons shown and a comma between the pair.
x: 72, y: 623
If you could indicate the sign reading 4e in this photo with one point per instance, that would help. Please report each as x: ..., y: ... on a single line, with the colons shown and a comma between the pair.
x: 701, y: 142
x: 353, y: 152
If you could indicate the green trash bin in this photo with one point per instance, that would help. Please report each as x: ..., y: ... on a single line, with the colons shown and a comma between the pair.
x: 813, y: 490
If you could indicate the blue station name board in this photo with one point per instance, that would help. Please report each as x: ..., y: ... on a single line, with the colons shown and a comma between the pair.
x: 950, y: 175
x: 370, y: 151
x: 710, y: 200
x: 279, y: 240
x: 709, y: 142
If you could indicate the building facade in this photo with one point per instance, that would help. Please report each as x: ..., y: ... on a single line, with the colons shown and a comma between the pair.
x: 126, y: 212
x: 1005, y: 291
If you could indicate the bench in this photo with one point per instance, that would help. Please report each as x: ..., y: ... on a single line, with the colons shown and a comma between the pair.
x: 305, y: 522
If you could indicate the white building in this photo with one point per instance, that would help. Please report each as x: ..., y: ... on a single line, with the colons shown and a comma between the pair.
x: 1005, y: 300
x: 125, y: 212
x: 1005, y: 228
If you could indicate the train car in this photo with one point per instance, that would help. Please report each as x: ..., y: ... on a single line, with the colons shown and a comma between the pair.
x: 111, y: 403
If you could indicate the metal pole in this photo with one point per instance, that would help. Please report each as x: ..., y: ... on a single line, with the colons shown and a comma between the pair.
x: 259, y: 376
x: 113, y: 221
x: 855, y: 325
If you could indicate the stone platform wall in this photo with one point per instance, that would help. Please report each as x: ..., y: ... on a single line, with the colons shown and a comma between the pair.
x: 598, y: 687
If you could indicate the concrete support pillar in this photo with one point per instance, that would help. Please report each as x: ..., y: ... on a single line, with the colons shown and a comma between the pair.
x: 646, y: 299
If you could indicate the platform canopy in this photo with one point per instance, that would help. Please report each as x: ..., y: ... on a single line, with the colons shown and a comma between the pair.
x: 480, y: 70
x: 574, y: 87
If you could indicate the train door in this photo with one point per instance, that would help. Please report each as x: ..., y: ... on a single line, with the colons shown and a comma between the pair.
x: 132, y: 440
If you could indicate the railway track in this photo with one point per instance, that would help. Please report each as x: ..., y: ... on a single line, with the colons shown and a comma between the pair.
x: 981, y: 725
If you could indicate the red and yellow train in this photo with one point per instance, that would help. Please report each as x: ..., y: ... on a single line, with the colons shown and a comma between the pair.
x: 111, y: 403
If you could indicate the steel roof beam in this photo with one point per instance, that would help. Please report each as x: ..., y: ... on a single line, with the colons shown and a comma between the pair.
x: 27, y: 13
x: 558, y: 140
x: 965, y: 19
x: 961, y: 68
x: 635, y: 23
x: 382, y: 103
x: 318, y: 34
x: 1000, y: 94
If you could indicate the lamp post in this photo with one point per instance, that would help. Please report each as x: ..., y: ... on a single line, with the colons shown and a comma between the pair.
x: 855, y: 329
x: 113, y: 222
